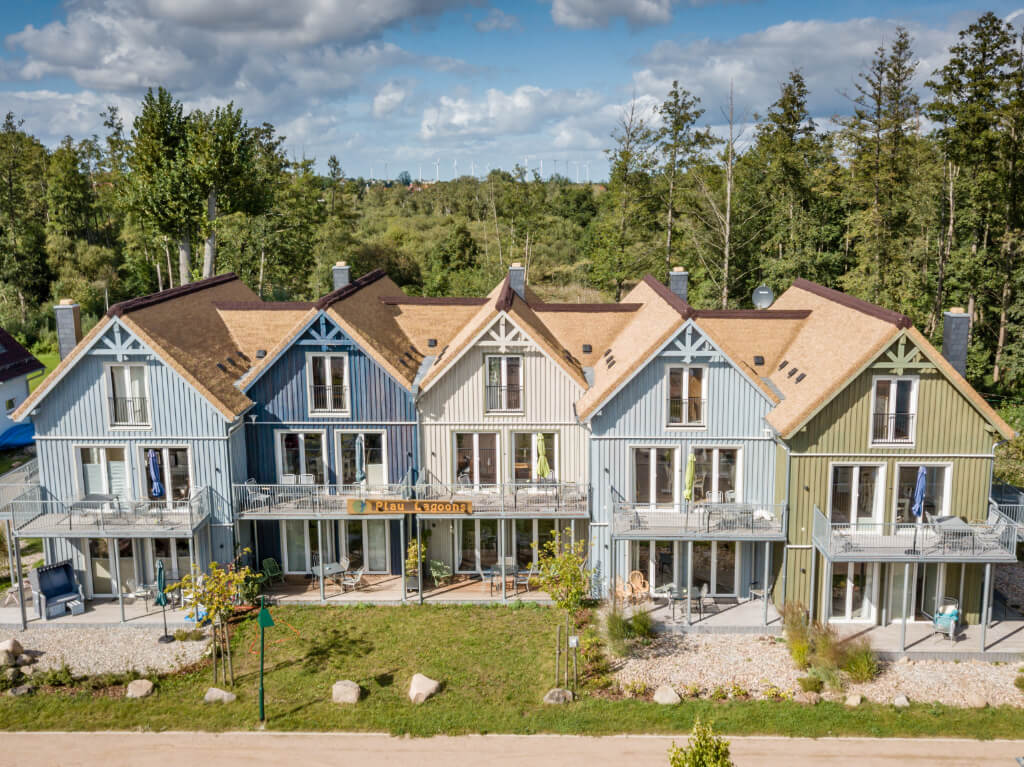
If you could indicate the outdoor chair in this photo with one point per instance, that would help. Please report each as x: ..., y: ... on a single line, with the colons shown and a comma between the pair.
x: 255, y: 498
x: 289, y: 479
x: 354, y: 580
x: 139, y: 591
x: 623, y: 591
x: 946, y: 618
x: 272, y: 570
x: 306, y: 479
x: 523, y: 578
x: 706, y: 601
x: 641, y: 588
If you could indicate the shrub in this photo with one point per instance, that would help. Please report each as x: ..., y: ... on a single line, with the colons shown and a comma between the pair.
x: 692, y: 691
x: 800, y: 651
x: 810, y: 683
x: 859, y: 660
x: 705, y: 749
x: 719, y: 693
x: 637, y: 689
x: 797, y: 632
x: 55, y: 677
x: 603, y: 682
x: 1019, y: 682
x: 737, y: 690
x: 642, y: 625
x: 773, y: 692
x: 829, y: 676
x: 826, y: 649
x: 619, y: 630
x: 189, y: 635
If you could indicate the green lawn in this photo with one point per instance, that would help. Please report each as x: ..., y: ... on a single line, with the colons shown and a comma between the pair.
x: 495, y: 665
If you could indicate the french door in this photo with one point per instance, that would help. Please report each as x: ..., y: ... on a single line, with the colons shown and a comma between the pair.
x: 716, y: 564
x: 856, y: 494
x: 716, y: 476
x: 301, y: 453
x: 361, y: 459
x: 853, y: 591
x: 365, y: 543
x: 657, y: 560
x: 476, y: 459
x: 654, y: 477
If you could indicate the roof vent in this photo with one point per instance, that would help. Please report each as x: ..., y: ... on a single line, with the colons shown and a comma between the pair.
x: 431, y: 342
x: 758, y: 359
x: 587, y: 348
x: 222, y: 368
x: 782, y: 365
x: 607, y: 352
x: 261, y: 353
x: 791, y: 373
x: 611, y: 364
x: 801, y: 377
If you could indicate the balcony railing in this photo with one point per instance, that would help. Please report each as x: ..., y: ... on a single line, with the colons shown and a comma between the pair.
x: 252, y: 500
x: 328, y: 399
x: 35, y: 513
x: 686, y: 411
x: 129, y: 411
x: 1012, y: 511
x: 541, y: 498
x: 944, y: 541
x: 892, y: 428
x: 701, y: 521
x: 504, y: 398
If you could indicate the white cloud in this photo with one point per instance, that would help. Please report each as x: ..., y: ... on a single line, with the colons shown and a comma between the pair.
x: 388, y: 99
x: 587, y: 14
x: 497, y: 19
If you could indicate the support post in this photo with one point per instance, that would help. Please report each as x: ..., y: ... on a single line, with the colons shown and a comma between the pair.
x: 320, y: 556
x: 501, y: 557
x: 985, y: 603
x: 906, y: 606
x: 10, y: 554
x: 814, y: 585
x: 419, y: 557
x: 783, y: 576
x: 191, y: 556
x: 960, y: 595
x: 764, y: 584
x: 117, y: 575
x: 689, y: 583
x: 401, y: 537
x: 17, y: 583
x: 256, y: 545
x: 611, y: 569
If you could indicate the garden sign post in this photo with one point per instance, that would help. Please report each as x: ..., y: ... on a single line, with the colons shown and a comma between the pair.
x: 265, y: 622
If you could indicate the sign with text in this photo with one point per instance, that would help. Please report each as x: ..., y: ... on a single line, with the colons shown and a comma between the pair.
x: 407, y: 506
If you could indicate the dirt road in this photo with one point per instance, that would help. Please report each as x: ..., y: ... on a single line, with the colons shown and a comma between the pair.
x: 307, y: 750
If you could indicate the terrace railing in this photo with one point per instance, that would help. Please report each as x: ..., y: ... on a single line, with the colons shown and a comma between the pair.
x: 501, y: 398
x: 252, y: 499
x: 328, y: 399
x: 992, y: 541
x: 129, y: 411
x: 1012, y: 511
x: 686, y: 411
x: 700, y: 521
x: 541, y: 498
x: 892, y: 428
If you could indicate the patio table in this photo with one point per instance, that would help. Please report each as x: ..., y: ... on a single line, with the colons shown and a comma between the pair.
x: 677, y: 594
x: 331, y: 570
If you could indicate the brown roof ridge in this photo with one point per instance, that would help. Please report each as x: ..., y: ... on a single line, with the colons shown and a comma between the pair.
x: 432, y: 300
x: 592, y: 307
x: 360, y: 282
x: 753, y: 314
x: 237, y: 306
x: 132, y: 304
x: 681, y: 306
x: 852, y: 302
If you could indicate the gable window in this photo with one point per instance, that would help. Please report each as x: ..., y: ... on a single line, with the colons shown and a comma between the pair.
x: 935, y: 492
x: 686, y: 396
x: 856, y: 494
x: 166, y: 473
x: 9, y: 405
x: 893, y: 411
x: 504, y: 383
x: 654, y: 476
x: 715, y: 476
x: 129, y: 405
x: 476, y: 459
x: 534, y: 457
x: 361, y: 458
x: 300, y: 458
x: 104, y: 472
x: 328, y: 383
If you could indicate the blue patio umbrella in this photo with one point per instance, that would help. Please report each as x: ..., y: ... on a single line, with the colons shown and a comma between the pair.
x: 360, y: 459
x: 917, y: 507
x: 157, y: 489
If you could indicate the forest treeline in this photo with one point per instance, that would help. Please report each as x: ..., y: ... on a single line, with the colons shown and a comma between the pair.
x: 914, y: 202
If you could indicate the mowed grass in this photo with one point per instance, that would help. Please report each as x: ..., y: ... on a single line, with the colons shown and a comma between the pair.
x: 495, y: 664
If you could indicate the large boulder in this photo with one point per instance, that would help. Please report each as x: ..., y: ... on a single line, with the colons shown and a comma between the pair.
x: 13, y: 673
x: 422, y: 687
x: 558, y: 696
x: 216, y: 695
x: 808, y: 698
x: 16, y: 692
x: 24, y: 660
x: 7, y: 658
x: 975, y: 700
x: 666, y: 696
x: 854, y: 699
x: 13, y: 646
x: 900, y: 701
x: 139, y: 688
x: 345, y: 691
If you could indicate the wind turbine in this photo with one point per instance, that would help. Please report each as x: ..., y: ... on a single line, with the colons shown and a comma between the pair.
x: 577, y: 164
x: 587, y: 166
x: 472, y: 168
x: 542, y: 170
x: 421, y: 173
x: 455, y: 169
x: 437, y: 169
x: 385, y: 172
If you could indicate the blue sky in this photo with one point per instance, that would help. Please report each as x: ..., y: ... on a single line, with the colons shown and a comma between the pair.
x: 410, y: 82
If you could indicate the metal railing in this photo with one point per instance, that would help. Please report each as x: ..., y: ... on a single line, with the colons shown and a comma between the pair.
x: 686, y: 411
x: 34, y: 512
x: 328, y: 398
x: 892, y: 428
x: 129, y: 411
x: 540, y: 498
x: 1012, y: 511
x: 698, y: 520
x: 254, y: 499
x: 500, y: 398
x: 991, y: 541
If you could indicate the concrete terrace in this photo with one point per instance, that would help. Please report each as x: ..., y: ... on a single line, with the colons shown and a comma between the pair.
x: 387, y: 589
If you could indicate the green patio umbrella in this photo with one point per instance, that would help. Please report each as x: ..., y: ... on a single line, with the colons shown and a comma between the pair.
x: 688, y: 487
x: 161, y: 599
x: 543, y: 468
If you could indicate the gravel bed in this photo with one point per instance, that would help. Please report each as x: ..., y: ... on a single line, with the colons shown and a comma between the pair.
x: 757, y: 663
x: 107, y: 650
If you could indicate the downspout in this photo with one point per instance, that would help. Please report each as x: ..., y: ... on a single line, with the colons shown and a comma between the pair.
x: 785, y: 544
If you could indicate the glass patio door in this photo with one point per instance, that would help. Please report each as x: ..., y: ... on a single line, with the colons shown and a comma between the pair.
x: 855, y: 494
x: 853, y: 586
x: 364, y: 447
x: 476, y: 459
x: 301, y: 453
x: 715, y: 477
x: 717, y: 565
x: 101, y: 567
x: 654, y: 477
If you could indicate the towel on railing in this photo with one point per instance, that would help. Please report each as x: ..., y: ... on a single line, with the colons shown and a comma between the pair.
x: 764, y: 515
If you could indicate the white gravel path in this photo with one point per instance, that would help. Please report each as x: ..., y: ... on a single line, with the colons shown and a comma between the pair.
x: 756, y: 663
x: 107, y: 650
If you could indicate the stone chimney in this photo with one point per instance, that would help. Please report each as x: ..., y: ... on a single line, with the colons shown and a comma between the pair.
x: 341, y: 274
x: 69, y: 325
x: 956, y: 326
x: 679, y: 281
x: 517, y: 278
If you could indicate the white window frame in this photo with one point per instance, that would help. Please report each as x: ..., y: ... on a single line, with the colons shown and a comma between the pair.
x: 947, y: 485
x: 915, y: 382
x: 338, y: 433
x: 343, y: 536
x: 165, y: 456
x: 533, y: 453
x: 505, y: 409
x: 713, y: 589
x: 685, y: 424
x: 108, y: 389
x: 175, y: 573
x: 80, y: 478
x: 877, y: 513
x: 872, y: 599
x: 279, y: 449
x: 716, y: 456
x: 11, y: 405
x: 475, y: 484
x: 676, y: 490
x: 345, y: 383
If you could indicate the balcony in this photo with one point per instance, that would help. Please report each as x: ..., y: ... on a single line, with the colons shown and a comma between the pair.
x: 686, y: 411
x: 328, y: 399
x: 892, y: 428
x: 129, y: 411
x: 514, y: 499
x: 504, y: 399
x: 700, y: 521
x: 1013, y: 511
x: 35, y: 515
x: 275, y: 501
x: 948, y: 540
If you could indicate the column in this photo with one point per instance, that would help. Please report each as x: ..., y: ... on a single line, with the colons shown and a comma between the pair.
x: 985, y: 603
x: 401, y: 537
x: 764, y: 584
x: 906, y: 606
x: 320, y: 556
x: 117, y: 576
x: 689, y: 583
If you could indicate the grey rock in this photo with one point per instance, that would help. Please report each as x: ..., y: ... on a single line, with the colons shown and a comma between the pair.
x: 854, y: 699
x: 7, y: 658
x: 975, y: 700
x: 13, y: 673
x: 558, y: 696
x: 808, y: 698
x: 422, y: 687
x: 17, y: 692
x: 13, y: 646
x: 345, y: 691
x: 24, y: 660
x: 666, y: 696
x: 900, y: 701
x: 216, y: 695
x: 139, y: 688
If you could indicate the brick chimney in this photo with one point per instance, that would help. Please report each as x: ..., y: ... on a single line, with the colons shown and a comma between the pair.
x: 341, y: 274
x: 679, y: 281
x: 956, y: 326
x: 69, y: 325
x: 517, y: 278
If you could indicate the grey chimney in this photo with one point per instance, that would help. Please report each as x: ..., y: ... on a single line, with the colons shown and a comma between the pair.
x: 341, y: 274
x: 956, y: 326
x: 517, y: 278
x: 69, y: 325
x: 679, y: 281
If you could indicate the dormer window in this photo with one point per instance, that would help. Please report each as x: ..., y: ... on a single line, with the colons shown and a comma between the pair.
x: 328, y: 383
x: 687, y: 395
x: 127, y: 397
x: 504, y: 384
x: 893, y: 410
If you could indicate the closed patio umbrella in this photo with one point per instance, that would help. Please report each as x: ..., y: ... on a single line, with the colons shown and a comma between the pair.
x: 161, y: 599
x: 543, y: 467
x: 360, y: 459
x: 690, y: 468
x: 157, y: 488
x: 917, y: 508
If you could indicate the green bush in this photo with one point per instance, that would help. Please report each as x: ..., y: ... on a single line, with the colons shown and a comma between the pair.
x: 829, y: 676
x: 642, y: 625
x: 189, y: 635
x: 719, y: 693
x: 800, y: 651
x: 55, y: 677
x: 1019, y: 682
x: 859, y: 660
x: 705, y: 749
x: 797, y: 632
x: 826, y: 649
x: 637, y: 689
x: 810, y: 683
